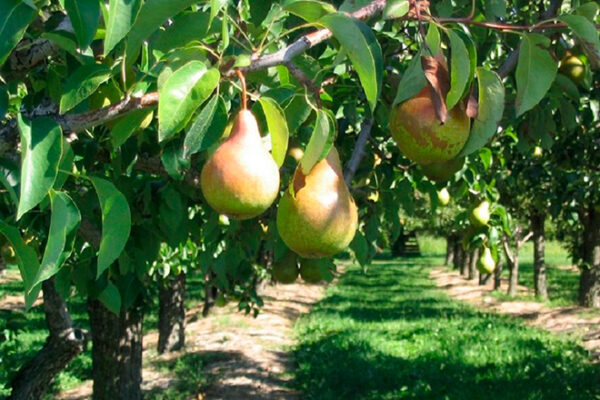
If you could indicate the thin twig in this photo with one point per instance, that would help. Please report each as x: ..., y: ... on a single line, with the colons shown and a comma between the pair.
x: 359, y: 150
x: 303, y: 79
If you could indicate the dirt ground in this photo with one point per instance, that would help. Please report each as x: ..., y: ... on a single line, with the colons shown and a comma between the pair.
x: 250, y: 357
x: 568, y: 320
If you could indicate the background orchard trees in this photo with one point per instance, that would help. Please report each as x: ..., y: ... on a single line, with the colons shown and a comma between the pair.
x: 110, y: 109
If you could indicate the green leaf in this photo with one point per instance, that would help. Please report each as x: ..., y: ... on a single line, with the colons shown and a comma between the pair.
x: 278, y: 128
x: 491, y: 108
x: 65, y: 219
x: 360, y: 247
x: 84, y: 16
x: 395, y: 9
x: 181, y: 94
x: 588, y: 10
x: 186, y: 28
x: 319, y: 144
x: 309, y: 10
x: 41, y: 148
x: 485, y: 155
x: 297, y: 112
x: 412, y: 82
x: 535, y: 73
x: 27, y: 259
x: 207, y: 128
x: 460, y: 69
x: 111, y: 298
x: 81, y: 84
x: 116, y: 223
x: 433, y: 39
x: 152, y: 16
x: 15, y: 17
x: 587, y: 33
x: 215, y: 7
x: 172, y: 158
x: 494, y: 8
x: 363, y: 50
x: 65, y: 165
x: 127, y: 126
x: 121, y: 15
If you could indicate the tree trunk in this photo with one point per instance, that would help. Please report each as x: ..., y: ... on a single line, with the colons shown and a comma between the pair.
x: 450, y: 249
x: 513, y: 273
x: 473, y: 264
x: 210, y: 293
x: 498, y: 273
x: 171, y: 314
x: 589, y: 283
x: 116, y: 353
x: 63, y: 344
x: 458, y: 255
x: 466, y: 263
x: 539, y: 264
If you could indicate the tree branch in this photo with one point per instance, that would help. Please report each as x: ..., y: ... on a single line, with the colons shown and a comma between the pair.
x: 359, y: 150
x: 303, y: 79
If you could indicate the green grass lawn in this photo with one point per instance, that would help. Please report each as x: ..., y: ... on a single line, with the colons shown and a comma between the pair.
x: 391, y: 334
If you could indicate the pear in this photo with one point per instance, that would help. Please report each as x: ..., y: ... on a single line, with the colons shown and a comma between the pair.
x: 310, y: 271
x: 286, y: 270
x: 486, y: 263
x: 421, y: 136
x: 443, y: 197
x: 480, y: 215
x: 444, y: 171
x: 573, y: 67
x: 241, y: 179
x: 317, y: 216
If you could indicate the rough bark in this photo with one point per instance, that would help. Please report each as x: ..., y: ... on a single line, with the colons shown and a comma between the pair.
x: 539, y: 263
x: 116, y: 353
x: 498, y: 273
x: 171, y: 314
x: 473, y: 272
x: 589, y: 283
x: 450, y: 249
x: 63, y: 344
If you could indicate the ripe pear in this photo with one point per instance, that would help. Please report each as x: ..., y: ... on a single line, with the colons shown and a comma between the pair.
x: 310, y: 271
x: 317, y: 216
x: 421, y: 136
x: 241, y: 179
x: 486, y: 263
x: 443, y: 197
x: 286, y: 270
x: 480, y: 215
x: 443, y: 172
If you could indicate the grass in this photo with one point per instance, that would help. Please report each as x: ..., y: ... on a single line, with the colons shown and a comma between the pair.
x: 391, y: 334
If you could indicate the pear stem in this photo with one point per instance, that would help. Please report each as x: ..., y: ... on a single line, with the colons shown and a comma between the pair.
x: 240, y: 75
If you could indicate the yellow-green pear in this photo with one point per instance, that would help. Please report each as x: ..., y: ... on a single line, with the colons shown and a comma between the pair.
x: 537, y: 151
x: 241, y: 179
x: 444, y: 171
x: 480, y: 215
x: 443, y: 197
x: 286, y: 270
x: 486, y: 263
x: 317, y: 216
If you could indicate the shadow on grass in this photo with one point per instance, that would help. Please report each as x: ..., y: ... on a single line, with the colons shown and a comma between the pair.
x: 390, y: 334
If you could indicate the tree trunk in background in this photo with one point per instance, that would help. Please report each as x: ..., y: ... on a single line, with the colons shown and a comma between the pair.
x: 63, y: 344
x: 473, y: 272
x: 539, y: 263
x: 466, y: 263
x: 116, y: 353
x: 450, y: 249
x: 458, y: 255
x: 210, y: 294
x: 171, y: 314
x: 513, y: 272
x: 589, y: 283
x: 498, y: 273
